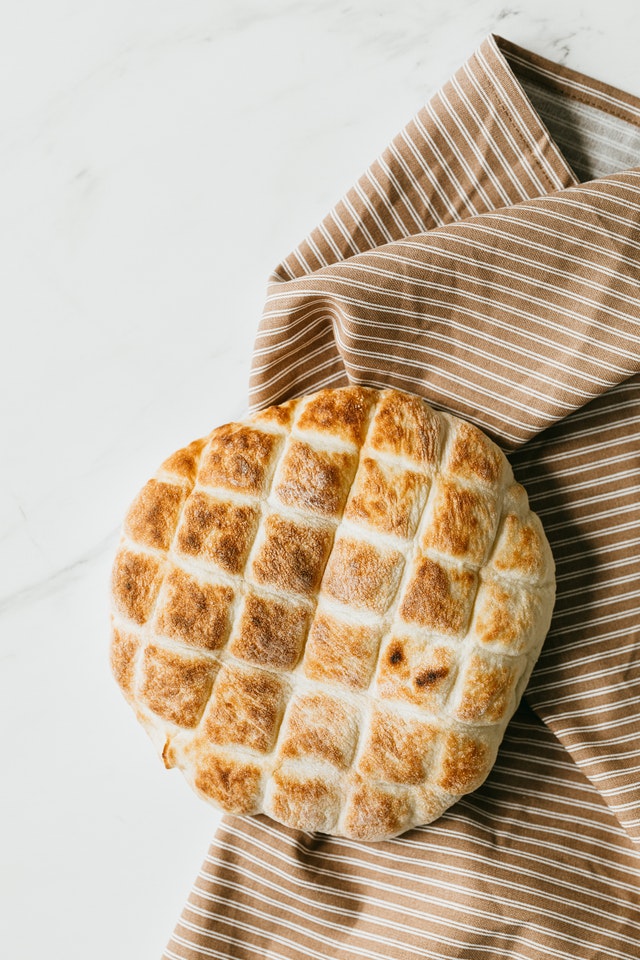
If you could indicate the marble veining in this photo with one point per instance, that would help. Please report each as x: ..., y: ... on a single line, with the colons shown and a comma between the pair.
x: 158, y: 160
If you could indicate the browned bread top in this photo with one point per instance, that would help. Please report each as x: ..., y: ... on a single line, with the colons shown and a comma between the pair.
x: 329, y: 612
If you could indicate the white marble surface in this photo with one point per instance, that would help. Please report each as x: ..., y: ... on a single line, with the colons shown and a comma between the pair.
x: 158, y: 159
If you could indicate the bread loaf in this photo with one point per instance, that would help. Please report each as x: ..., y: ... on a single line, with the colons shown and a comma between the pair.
x: 329, y: 611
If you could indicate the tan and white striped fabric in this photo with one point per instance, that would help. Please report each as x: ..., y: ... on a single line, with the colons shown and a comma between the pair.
x: 489, y: 261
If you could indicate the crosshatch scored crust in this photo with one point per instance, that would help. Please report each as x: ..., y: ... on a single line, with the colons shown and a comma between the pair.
x: 328, y: 612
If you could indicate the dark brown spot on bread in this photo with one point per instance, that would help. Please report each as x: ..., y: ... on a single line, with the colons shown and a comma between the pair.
x: 270, y: 632
x: 404, y: 426
x: 232, y: 783
x: 438, y: 597
x: 238, y: 458
x: 375, y: 812
x: 135, y: 582
x: 217, y: 531
x: 342, y: 413
x: 341, y: 652
x: 194, y: 611
x: 426, y: 678
x: 316, y: 481
x: 362, y: 575
x: 246, y: 708
x: 292, y: 555
x: 175, y: 687
x: 414, y: 670
x: 395, y: 655
x: 153, y: 515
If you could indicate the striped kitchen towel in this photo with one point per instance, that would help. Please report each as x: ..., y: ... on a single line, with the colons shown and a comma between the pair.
x: 488, y: 260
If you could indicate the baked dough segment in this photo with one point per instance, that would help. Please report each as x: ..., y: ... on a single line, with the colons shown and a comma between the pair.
x: 417, y: 670
x: 136, y: 579
x: 387, y: 497
x: 314, y: 480
x: 239, y: 458
x: 270, y: 631
x: 397, y: 749
x: 217, y: 532
x: 462, y: 522
x: 194, y: 611
x: 405, y: 427
x: 320, y: 727
x: 507, y: 614
x: 338, y: 651
x: 340, y: 415
x: 362, y: 575
x: 438, y: 596
x: 291, y: 555
x: 375, y: 811
x: 245, y: 709
x: 175, y: 687
x: 232, y: 783
x: 327, y: 612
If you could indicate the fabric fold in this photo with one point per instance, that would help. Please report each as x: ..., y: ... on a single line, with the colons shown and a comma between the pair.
x: 472, y: 266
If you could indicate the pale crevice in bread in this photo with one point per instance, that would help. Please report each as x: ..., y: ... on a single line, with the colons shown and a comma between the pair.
x: 329, y: 611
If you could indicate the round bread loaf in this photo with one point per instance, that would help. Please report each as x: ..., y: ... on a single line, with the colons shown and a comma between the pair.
x: 329, y: 611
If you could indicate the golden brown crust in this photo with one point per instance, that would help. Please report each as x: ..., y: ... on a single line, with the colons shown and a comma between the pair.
x: 361, y: 575
x: 316, y: 481
x: 153, y: 515
x: 397, y: 750
x: 232, y: 783
x: 464, y: 764
x: 238, y: 458
x: 320, y: 727
x: 326, y: 612
x: 183, y: 464
x: 278, y: 416
x: 342, y: 414
x: 303, y: 801
x: 404, y: 426
x: 438, y: 597
x: 292, y: 556
x: 473, y: 456
x: 194, y: 611
x: 271, y: 632
x: 174, y: 687
x: 506, y: 615
x: 341, y: 652
x: 217, y: 531
x: 387, y: 498
x: 135, y: 583
x: 463, y: 522
x: 374, y: 812
x: 124, y: 647
x: 488, y: 688
x: 245, y: 708
x: 520, y: 548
